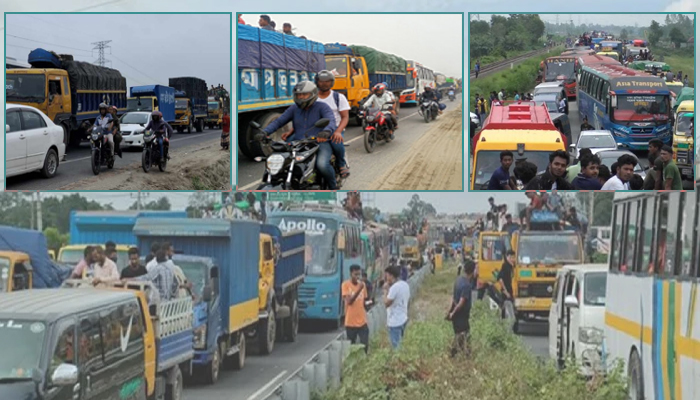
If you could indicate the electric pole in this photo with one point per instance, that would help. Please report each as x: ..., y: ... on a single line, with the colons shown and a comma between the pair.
x: 32, y: 201
x: 39, y: 218
x: 100, y: 47
x: 139, y: 195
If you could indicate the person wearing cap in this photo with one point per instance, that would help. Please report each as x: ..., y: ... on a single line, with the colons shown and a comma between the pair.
x: 287, y: 29
x: 671, y: 175
x: 264, y: 23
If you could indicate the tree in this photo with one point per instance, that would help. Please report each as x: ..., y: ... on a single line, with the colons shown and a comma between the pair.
x: 677, y: 37
x: 54, y: 239
x: 624, y: 34
x: 197, y: 203
x: 655, y: 33
x: 162, y: 204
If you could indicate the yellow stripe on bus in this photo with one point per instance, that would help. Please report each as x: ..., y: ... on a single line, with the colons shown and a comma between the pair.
x: 628, y: 326
x: 242, y: 107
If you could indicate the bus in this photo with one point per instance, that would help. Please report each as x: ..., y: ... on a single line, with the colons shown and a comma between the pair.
x: 612, y: 46
x: 418, y: 78
x: 562, y: 66
x: 632, y: 105
x: 651, y: 322
x: 380, y: 240
x: 333, y: 245
x: 13, y: 63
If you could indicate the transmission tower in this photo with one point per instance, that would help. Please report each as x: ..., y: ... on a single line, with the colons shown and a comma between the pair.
x: 100, y: 47
x: 557, y: 16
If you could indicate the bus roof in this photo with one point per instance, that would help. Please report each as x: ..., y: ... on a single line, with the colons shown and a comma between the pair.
x: 595, y: 59
x: 520, y: 115
x: 626, y: 80
x: 509, y: 136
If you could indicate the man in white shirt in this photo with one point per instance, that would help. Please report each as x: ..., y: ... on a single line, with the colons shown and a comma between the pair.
x: 103, y: 269
x: 341, y: 110
x: 397, y: 294
x: 625, y: 171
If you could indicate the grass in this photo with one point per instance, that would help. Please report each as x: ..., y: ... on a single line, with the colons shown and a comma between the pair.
x: 501, y: 367
x: 679, y: 59
x: 490, y: 59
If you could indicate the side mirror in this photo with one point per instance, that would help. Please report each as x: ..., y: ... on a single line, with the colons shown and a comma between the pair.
x: 214, y: 272
x: 322, y: 123
x: 613, y: 101
x: 572, y: 146
x: 7, y: 128
x: 207, y: 294
x: 255, y: 124
x: 571, y: 301
x: 65, y: 375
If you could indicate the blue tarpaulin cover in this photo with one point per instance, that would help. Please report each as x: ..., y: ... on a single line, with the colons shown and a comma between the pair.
x: 259, y: 48
x: 47, y: 274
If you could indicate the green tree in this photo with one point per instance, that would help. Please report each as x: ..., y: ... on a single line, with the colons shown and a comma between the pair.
x: 655, y: 33
x: 55, y: 239
x: 677, y: 37
x: 197, y: 203
x: 162, y: 204
x: 624, y: 35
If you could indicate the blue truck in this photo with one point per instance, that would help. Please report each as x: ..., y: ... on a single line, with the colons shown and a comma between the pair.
x: 230, y: 264
x: 270, y: 64
x: 69, y: 92
x: 151, y: 98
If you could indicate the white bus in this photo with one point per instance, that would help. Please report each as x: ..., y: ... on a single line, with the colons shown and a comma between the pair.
x: 651, y: 320
x: 418, y: 78
x: 11, y: 62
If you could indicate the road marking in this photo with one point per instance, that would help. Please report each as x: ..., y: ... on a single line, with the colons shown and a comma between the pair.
x: 267, y: 386
x: 89, y: 157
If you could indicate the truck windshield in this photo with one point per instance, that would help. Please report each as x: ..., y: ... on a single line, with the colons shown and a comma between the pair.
x: 23, y: 342
x: 337, y: 65
x: 683, y: 124
x: 594, y: 288
x: 25, y: 88
x: 181, y: 104
x: 134, y: 118
x: 493, y: 248
x: 138, y: 104
x: 196, y: 272
x: 213, y: 106
x: 411, y: 242
x: 320, y: 241
x: 549, y: 248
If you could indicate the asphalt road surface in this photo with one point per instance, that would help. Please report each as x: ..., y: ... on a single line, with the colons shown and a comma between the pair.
x: 261, y: 374
x: 77, y: 163
x: 364, y: 167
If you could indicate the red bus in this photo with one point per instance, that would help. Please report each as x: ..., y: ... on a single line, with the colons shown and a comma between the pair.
x: 562, y: 67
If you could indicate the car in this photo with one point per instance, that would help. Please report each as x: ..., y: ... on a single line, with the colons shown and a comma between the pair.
x: 552, y: 99
x: 132, y: 124
x: 597, y: 141
x: 551, y: 87
x: 609, y: 157
x: 33, y: 142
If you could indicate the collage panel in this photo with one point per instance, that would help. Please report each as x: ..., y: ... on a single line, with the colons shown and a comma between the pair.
x: 393, y: 106
x: 583, y: 101
x: 124, y: 109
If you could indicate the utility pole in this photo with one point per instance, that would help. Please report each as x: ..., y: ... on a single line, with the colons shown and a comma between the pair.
x: 32, y: 201
x: 139, y: 195
x: 100, y: 47
x: 39, y: 218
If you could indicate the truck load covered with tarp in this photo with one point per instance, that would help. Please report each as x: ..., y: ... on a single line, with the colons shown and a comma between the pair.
x: 46, y: 273
x: 260, y: 49
x: 383, y: 67
x: 193, y: 87
x: 83, y: 75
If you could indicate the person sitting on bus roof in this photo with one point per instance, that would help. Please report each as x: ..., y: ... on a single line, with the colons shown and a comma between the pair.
x: 554, y: 177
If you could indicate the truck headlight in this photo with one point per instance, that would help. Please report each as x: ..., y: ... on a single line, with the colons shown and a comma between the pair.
x: 200, y: 337
x: 590, y: 335
x: 275, y: 163
x: 682, y: 160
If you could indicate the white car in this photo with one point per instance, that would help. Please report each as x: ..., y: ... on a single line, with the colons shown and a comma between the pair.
x: 34, y: 142
x: 577, y: 316
x: 133, y: 124
x: 596, y: 141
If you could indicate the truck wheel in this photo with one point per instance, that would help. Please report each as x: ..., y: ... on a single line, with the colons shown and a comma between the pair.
x: 291, y: 325
x: 211, y: 374
x: 189, y: 126
x: 66, y: 134
x: 239, y: 360
x: 200, y: 126
x: 636, y: 379
x: 173, y: 390
x: 267, y: 333
x: 75, y: 138
x: 180, y: 129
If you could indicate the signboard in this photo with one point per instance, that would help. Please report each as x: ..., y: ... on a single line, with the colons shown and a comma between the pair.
x: 560, y: 59
x: 298, y: 196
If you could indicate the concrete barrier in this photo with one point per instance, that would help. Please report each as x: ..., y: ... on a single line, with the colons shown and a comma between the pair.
x: 324, y: 370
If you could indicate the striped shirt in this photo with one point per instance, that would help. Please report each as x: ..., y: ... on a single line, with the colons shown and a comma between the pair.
x: 164, y: 280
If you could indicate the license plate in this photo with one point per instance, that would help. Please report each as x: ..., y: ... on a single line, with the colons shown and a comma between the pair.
x: 687, y: 171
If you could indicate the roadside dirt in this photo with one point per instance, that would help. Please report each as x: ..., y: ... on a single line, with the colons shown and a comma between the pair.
x: 434, y: 162
x: 200, y: 167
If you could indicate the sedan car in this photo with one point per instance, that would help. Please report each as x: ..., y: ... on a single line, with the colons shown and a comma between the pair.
x: 596, y: 141
x: 34, y: 142
x: 609, y: 157
x: 132, y: 126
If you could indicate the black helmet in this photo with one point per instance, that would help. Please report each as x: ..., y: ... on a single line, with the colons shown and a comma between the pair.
x: 102, y: 105
x: 305, y: 87
x: 155, y: 114
x: 428, y: 88
x: 325, y: 75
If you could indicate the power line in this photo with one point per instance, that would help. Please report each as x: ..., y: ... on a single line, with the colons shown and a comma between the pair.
x: 51, y: 44
x: 135, y: 69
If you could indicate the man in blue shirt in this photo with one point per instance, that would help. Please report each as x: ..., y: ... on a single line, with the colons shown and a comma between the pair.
x: 303, y: 114
x: 587, y: 179
x: 500, y: 180
x: 460, y: 308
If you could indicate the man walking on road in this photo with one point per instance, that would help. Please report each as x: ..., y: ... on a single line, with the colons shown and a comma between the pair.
x: 396, y: 296
x: 460, y: 309
x: 354, y: 292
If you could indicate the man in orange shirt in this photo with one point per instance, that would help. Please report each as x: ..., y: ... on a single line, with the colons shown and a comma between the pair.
x: 355, y: 293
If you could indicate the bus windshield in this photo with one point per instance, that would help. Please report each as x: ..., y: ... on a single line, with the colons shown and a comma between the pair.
x: 320, y: 241
x: 489, y: 160
x: 637, y: 108
x: 683, y: 124
x: 493, y: 248
x: 549, y: 248
x: 554, y: 69
x: 410, y: 80
x: 25, y: 88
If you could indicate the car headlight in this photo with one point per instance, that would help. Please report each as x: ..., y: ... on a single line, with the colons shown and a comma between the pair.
x: 200, y: 337
x: 590, y: 335
x: 275, y: 163
x: 619, y: 133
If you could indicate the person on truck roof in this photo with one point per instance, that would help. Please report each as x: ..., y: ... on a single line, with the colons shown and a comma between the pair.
x: 287, y: 29
x: 264, y: 23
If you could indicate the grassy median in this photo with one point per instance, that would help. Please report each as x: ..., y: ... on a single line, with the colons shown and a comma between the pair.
x: 501, y: 367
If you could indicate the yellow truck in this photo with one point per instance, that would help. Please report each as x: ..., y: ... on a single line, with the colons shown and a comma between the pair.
x: 410, y: 251
x: 492, y: 251
x: 684, y: 138
x: 218, y: 101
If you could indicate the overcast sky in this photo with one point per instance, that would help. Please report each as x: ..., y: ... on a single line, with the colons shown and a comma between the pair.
x: 602, y: 19
x: 146, y: 49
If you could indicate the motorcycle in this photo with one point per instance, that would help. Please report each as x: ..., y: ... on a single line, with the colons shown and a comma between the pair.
x: 451, y: 94
x: 151, y: 153
x: 100, y: 151
x: 428, y: 109
x: 292, y: 166
x: 376, y: 126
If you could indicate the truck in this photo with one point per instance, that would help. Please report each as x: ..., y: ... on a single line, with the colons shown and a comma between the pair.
x: 270, y: 64
x: 152, y: 98
x: 218, y: 101
x: 441, y: 83
x: 190, y: 103
x: 69, y: 92
x: 246, y: 278
x: 25, y: 262
x: 358, y: 68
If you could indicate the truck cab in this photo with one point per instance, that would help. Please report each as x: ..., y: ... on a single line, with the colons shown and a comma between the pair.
x: 684, y: 138
x: 351, y: 77
x: 492, y: 251
x: 16, y: 271
x: 214, y: 113
x: 410, y: 252
x: 153, y: 98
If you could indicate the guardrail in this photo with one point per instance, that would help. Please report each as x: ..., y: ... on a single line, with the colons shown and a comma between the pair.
x: 500, y: 64
x: 324, y: 370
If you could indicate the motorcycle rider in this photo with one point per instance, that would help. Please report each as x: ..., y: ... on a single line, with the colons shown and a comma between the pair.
x: 303, y: 114
x: 428, y: 94
x: 341, y: 110
x: 105, y: 120
x: 378, y: 98
x: 163, y: 132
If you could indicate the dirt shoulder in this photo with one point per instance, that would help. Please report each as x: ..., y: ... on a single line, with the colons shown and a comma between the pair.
x: 434, y: 162
x: 199, y: 167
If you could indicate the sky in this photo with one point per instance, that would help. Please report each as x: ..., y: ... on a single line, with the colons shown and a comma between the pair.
x: 602, y: 19
x: 437, y: 44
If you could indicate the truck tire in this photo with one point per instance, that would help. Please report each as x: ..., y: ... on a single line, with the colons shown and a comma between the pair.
x: 66, y: 134
x: 189, y: 126
x: 636, y: 378
x: 267, y: 333
x: 200, y: 126
x: 75, y: 137
x: 291, y: 325
x: 238, y: 361
x: 173, y: 390
x: 210, y: 373
x: 256, y: 148
x: 180, y: 129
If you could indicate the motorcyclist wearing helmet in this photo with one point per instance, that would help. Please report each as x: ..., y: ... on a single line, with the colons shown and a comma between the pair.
x: 115, y: 131
x: 105, y: 120
x: 163, y: 131
x: 430, y: 94
x: 379, y: 97
x: 303, y: 114
x: 341, y: 110
x: 393, y: 109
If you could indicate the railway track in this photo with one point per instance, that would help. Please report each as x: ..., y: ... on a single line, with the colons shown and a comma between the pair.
x: 485, y: 69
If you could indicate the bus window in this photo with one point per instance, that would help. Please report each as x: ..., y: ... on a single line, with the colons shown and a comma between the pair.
x: 673, y: 234
x: 660, y: 265
x: 618, y: 219
x: 697, y: 234
x: 647, y: 234
x: 631, y: 240
x: 688, y: 234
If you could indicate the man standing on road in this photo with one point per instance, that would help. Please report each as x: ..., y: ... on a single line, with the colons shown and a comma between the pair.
x: 656, y: 165
x: 671, y: 175
x: 623, y: 174
x: 354, y: 292
x: 505, y: 278
x: 460, y: 309
x: 477, y: 68
x: 396, y: 297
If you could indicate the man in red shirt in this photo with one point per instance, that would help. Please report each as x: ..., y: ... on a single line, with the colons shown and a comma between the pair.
x: 240, y: 20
